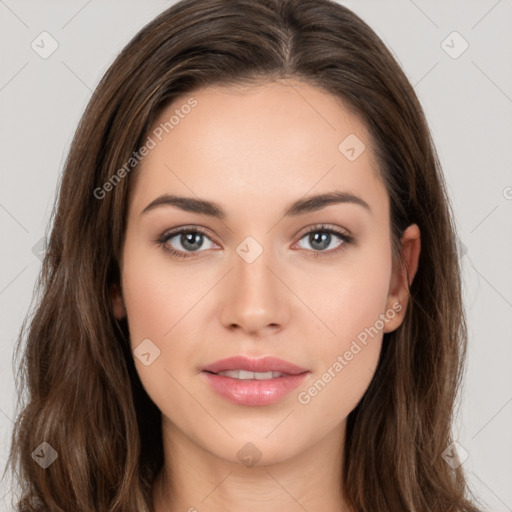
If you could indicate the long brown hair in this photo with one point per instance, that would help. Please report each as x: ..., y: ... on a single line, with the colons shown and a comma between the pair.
x: 82, y: 392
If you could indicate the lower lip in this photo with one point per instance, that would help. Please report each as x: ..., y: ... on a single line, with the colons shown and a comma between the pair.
x: 254, y: 392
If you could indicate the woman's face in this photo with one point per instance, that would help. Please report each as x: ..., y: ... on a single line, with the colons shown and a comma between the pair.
x: 260, y: 278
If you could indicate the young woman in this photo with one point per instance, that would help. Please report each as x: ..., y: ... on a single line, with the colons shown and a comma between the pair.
x: 251, y: 297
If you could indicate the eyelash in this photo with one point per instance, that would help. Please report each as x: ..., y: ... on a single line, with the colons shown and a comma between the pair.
x: 165, y: 237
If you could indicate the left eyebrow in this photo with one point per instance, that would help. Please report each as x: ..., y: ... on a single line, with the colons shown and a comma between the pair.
x: 300, y: 207
x: 314, y: 203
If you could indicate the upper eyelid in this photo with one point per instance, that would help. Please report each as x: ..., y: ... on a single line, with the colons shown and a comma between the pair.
x: 166, y: 235
x: 324, y: 227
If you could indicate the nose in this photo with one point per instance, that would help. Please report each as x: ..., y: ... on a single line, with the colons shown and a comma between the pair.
x: 254, y: 298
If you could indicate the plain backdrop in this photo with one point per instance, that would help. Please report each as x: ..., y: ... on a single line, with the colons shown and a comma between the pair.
x: 466, y: 94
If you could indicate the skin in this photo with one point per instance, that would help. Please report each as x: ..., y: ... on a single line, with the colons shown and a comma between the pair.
x: 254, y: 151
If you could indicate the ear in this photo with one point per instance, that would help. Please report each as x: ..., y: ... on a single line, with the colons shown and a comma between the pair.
x: 117, y: 301
x: 401, y: 279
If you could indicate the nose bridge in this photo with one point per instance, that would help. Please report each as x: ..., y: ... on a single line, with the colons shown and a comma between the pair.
x: 253, y: 279
x: 254, y: 299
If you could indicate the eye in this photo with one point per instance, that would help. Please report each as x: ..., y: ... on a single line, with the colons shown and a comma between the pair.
x: 190, y: 239
x: 186, y: 242
x: 321, y: 238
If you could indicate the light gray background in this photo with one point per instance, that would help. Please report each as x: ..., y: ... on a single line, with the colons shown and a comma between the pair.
x: 468, y: 103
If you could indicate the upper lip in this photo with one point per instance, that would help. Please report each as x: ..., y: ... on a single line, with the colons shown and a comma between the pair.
x: 264, y: 364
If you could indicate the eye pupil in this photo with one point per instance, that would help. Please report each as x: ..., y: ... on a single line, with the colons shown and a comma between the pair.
x: 191, y: 241
x: 319, y: 238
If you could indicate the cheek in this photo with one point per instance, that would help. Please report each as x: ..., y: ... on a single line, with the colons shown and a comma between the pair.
x: 346, y: 358
x: 352, y: 298
x: 345, y: 362
x: 156, y: 303
x: 334, y: 392
x: 156, y: 297
x: 160, y: 304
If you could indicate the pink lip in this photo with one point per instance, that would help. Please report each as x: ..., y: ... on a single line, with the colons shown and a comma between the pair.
x: 264, y: 364
x: 254, y: 392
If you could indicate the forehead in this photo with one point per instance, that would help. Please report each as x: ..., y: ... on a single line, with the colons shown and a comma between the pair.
x: 275, y: 117
x: 278, y: 140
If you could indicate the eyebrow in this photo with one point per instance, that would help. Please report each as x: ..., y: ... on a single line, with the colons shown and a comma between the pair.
x: 300, y: 207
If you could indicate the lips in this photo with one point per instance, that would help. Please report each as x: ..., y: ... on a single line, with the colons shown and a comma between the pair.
x: 262, y: 365
x: 253, y: 382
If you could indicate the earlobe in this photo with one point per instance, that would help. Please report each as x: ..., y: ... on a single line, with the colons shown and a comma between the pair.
x: 402, y: 277
x: 117, y: 301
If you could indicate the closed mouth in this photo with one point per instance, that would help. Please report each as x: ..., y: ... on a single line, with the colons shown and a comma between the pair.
x: 247, y: 375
